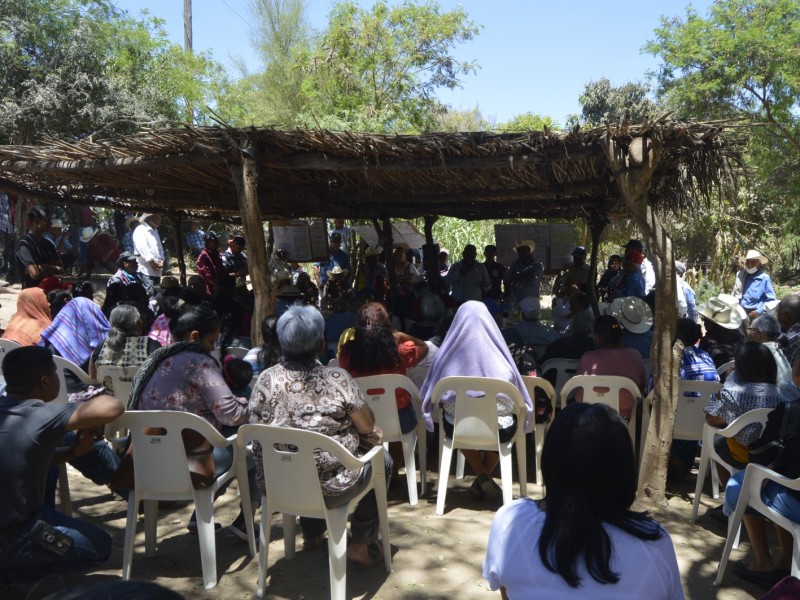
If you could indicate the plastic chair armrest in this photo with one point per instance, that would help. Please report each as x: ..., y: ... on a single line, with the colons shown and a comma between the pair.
x: 739, y: 423
x: 758, y: 475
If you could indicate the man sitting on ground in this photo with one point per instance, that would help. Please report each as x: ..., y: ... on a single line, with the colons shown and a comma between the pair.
x: 34, y: 539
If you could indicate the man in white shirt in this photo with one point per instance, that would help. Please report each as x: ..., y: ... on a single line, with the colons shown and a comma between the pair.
x: 147, y: 244
x: 467, y: 278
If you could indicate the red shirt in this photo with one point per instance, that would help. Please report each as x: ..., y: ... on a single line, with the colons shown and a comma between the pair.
x: 409, y: 356
x: 103, y: 248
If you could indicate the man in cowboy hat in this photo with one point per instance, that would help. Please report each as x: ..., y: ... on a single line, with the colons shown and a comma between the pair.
x: 575, y: 276
x: 101, y: 249
x: 194, y: 239
x: 147, y: 244
x: 753, y: 287
x: 336, y: 258
x: 723, y: 329
x: 524, y: 276
x: 67, y: 253
x: 636, y: 319
x: 131, y: 223
x: 370, y: 270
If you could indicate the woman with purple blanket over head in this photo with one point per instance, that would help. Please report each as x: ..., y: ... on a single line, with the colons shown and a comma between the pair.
x: 77, y: 330
x: 474, y: 347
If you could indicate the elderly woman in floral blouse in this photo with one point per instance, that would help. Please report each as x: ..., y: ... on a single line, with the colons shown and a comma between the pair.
x: 301, y: 393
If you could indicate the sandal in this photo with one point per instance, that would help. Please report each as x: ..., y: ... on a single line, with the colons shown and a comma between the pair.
x: 489, y: 487
x: 375, y: 552
x: 764, y: 579
x: 476, y: 491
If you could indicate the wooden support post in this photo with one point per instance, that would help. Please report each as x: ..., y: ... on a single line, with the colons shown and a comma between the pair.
x: 430, y: 255
x: 387, y: 242
x: 633, y: 175
x: 176, y: 226
x: 597, y: 223
x: 243, y: 166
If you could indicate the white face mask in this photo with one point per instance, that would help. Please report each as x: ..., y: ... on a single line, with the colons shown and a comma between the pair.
x: 752, y: 270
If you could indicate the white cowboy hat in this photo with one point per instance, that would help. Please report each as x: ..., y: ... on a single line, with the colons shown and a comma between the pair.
x: 57, y: 223
x: 722, y: 313
x: 529, y: 243
x: 633, y: 313
x: 130, y: 221
x: 337, y: 270
x: 144, y: 217
x: 751, y: 254
x: 372, y: 251
x: 87, y: 233
x: 732, y: 301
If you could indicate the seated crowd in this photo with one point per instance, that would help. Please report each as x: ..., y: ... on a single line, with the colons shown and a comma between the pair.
x: 582, y: 534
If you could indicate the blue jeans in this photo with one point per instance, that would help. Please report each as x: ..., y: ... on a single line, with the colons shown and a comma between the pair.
x: 99, y: 465
x: 774, y: 495
x: 22, y: 559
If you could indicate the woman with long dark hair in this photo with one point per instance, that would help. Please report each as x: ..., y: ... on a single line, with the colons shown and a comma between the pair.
x: 269, y: 354
x: 582, y: 539
x: 378, y: 350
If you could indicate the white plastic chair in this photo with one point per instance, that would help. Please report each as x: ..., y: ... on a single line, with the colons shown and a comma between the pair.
x: 7, y: 346
x: 722, y: 370
x: 334, y: 362
x: 476, y: 428
x: 63, y: 395
x: 118, y: 381
x: 236, y: 351
x: 605, y: 389
x: 709, y: 456
x: 539, y: 429
x: 755, y: 476
x: 379, y: 392
x: 418, y: 375
x: 690, y: 416
x: 161, y: 472
x: 293, y: 488
x: 565, y: 369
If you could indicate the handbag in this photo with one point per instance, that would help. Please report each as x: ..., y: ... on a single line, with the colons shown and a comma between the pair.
x: 759, y: 455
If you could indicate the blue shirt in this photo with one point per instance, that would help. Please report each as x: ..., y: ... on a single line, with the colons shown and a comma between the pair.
x: 336, y: 259
x: 194, y: 239
x: 127, y: 241
x: 697, y: 365
x: 691, y: 301
x: 757, y: 290
x: 631, y: 284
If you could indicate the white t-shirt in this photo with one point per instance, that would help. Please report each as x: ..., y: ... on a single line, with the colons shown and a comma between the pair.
x: 147, y: 244
x: 646, y: 569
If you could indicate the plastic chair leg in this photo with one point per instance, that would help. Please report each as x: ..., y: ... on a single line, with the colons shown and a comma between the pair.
x: 522, y: 465
x: 289, y: 535
x: 796, y: 557
x: 459, y: 464
x: 247, y: 509
x: 409, y: 441
x: 383, y: 513
x: 538, y: 438
x: 130, y: 535
x: 444, y: 474
x: 735, y: 520
x: 506, y: 475
x: 422, y: 448
x: 701, y: 476
x: 63, y: 490
x: 263, y: 547
x: 150, y: 526
x: 714, y: 479
x: 337, y: 551
x: 204, y: 509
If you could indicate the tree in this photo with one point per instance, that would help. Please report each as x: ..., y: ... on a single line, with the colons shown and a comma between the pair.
x: 602, y: 102
x: 454, y: 121
x: 379, y: 69
x: 528, y: 122
x: 741, y: 61
x: 72, y: 67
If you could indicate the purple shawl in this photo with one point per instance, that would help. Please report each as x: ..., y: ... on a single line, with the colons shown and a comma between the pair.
x: 77, y: 330
x: 473, y: 347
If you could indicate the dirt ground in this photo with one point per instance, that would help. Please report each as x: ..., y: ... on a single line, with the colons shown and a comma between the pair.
x: 434, y: 557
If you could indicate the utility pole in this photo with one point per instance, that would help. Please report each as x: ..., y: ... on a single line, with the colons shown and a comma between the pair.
x: 187, y: 25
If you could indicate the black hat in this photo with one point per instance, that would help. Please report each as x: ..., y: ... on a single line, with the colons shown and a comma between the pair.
x: 126, y: 256
x: 634, y: 244
x: 37, y: 212
x: 239, y: 240
x: 579, y: 251
x: 336, y: 237
x: 209, y: 235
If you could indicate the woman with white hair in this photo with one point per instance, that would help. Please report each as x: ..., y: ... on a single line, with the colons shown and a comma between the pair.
x: 126, y: 344
x: 301, y: 393
x: 767, y: 330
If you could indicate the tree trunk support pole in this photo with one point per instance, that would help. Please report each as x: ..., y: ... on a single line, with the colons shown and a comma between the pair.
x: 632, y: 167
x: 243, y: 166
x: 387, y: 241
x: 177, y: 220
x: 597, y: 223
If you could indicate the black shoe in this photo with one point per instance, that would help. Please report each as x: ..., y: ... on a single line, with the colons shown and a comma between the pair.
x: 717, y: 515
x: 475, y: 490
x: 764, y: 579
x: 239, y: 529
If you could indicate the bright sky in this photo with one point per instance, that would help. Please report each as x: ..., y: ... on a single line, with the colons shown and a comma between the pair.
x: 534, y: 55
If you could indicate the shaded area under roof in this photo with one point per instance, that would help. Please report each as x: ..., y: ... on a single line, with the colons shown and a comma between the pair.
x: 325, y: 174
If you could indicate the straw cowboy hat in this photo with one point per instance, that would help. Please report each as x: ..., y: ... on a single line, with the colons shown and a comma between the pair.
x: 372, y: 251
x: 87, y: 233
x: 722, y: 313
x: 632, y: 313
x: 337, y: 270
x: 529, y: 243
x: 754, y: 254
x: 734, y: 302
x: 56, y: 224
x: 130, y: 221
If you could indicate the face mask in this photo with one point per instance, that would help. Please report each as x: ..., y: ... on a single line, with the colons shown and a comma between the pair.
x: 751, y: 271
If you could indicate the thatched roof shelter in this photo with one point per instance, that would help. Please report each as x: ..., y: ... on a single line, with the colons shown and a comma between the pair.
x: 325, y: 174
x: 256, y: 174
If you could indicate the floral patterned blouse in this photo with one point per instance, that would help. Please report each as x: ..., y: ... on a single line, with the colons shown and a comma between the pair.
x: 193, y: 383
x: 314, y: 398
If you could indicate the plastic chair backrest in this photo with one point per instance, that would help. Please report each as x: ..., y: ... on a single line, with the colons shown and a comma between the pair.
x: 603, y: 389
x: 379, y: 393
x: 334, y: 362
x: 118, y: 380
x: 238, y: 352
x: 692, y: 399
x: 722, y: 370
x: 7, y: 346
x: 418, y: 375
x: 290, y: 471
x: 61, y: 364
x: 476, y: 416
x: 159, y: 454
x: 564, y: 367
x: 531, y: 383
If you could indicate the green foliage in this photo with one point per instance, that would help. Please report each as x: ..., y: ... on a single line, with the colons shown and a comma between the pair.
x: 742, y: 61
x: 454, y: 121
x: 705, y: 289
x: 380, y: 68
x: 528, y: 122
x: 72, y: 67
x: 602, y: 102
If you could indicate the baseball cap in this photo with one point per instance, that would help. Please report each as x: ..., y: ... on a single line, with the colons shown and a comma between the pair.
x: 126, y: 256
